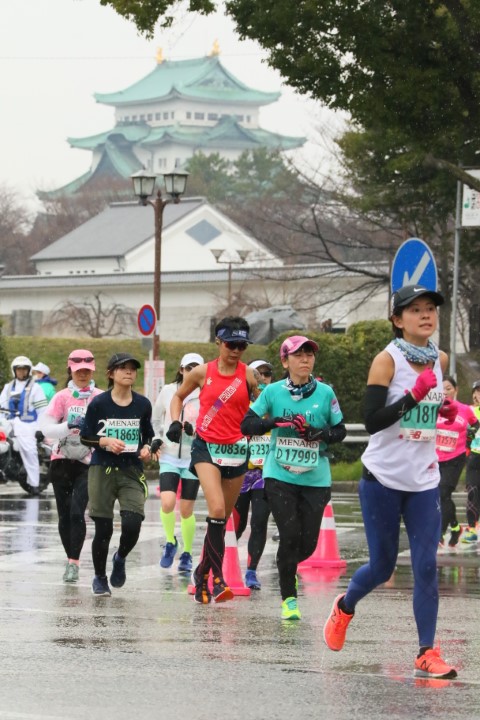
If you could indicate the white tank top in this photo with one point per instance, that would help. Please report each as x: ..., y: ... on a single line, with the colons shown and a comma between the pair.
x: 403, y: 455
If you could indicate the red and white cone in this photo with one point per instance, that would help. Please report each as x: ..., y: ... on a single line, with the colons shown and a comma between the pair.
x: 326, y: 554
x: 232, y: 573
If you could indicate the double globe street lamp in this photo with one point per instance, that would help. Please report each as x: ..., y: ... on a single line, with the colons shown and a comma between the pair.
x: 144, y: 187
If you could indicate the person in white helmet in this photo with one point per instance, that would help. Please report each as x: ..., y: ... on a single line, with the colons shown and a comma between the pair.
x: 41, y: 373
x: 25, y: 401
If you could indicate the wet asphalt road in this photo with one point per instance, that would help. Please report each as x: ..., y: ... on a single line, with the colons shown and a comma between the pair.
x: 150, y: 652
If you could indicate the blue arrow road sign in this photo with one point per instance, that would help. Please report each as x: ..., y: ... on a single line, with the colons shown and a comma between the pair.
x: 414, y: 264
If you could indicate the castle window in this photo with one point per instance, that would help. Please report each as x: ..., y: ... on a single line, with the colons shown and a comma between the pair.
x: 142, y: 117
x: 149, y: 116
x: 212, y: 116
x: 158, y: 116
x: 199, y: 116
x: 172, y: 115
x: 165, y: 116
x: 188, y: 115
x: 134, y: 117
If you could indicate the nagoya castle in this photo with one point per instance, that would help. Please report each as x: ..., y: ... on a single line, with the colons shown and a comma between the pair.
x: 181, y: 108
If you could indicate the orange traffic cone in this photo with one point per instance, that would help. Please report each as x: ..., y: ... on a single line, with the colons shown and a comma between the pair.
x: 232, y: 573
x: 326, y: 554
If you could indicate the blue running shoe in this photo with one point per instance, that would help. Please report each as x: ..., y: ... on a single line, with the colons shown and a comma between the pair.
x: 252, y: 581
x: 118, y: 576
x: 100, y: 586
x: 185, y: 563
x: 169, y: 552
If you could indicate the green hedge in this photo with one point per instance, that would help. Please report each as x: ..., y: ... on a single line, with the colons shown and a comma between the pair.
x: 343, y: 361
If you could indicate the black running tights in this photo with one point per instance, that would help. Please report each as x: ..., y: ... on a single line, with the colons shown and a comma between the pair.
x: 131, y: 524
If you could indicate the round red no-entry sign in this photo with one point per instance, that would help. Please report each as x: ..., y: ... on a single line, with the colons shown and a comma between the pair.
x: 147, y: 319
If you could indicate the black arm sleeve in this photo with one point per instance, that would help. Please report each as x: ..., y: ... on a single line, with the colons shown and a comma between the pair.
x: 253, y: 424
x: 336, y: 433
x: 379, y: 416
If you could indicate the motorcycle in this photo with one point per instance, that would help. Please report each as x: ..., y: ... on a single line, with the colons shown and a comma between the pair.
x: 11, y: 465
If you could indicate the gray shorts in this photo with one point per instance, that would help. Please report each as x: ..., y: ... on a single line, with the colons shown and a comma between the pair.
x: 108, y: 484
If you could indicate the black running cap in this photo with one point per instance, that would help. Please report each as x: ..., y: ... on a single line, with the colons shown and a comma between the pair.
x: 120, y: 359
x: 409, y: 293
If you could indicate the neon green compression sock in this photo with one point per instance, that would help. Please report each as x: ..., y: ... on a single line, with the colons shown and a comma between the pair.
x: 168, y: 522
x: 188, y: 532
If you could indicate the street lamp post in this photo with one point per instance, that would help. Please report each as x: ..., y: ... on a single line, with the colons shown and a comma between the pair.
x: 217, y: 254
x: 143, y: 187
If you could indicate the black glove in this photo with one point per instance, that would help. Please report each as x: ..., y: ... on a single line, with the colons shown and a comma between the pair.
x: 312, y: 433
x: 156, y: 445
x: 174, y: 432
x: 188, y: 428
x: 39, y: 436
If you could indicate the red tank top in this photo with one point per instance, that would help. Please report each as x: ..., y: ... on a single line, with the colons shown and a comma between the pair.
x: 224, y: 400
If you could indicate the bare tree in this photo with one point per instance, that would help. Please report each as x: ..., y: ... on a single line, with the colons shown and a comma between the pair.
x: 97, y: 317
x: 14, y: 223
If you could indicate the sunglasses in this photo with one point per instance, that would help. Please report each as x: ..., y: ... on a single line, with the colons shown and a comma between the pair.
x: 187, y: 368
x: 81, y: 359
x: 265, y: 373
x: 233, y: 345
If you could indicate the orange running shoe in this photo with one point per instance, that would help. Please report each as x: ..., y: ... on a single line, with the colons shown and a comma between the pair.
x: 221, y: 591
x: 335, y: 628
x: 431, y: 665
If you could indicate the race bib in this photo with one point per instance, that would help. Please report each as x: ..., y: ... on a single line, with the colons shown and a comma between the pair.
x: 446, y: 440
x: 297, y: 455
x: 229, y: 454
x: 259, y: 446
x: 420, y: 422
x: 125, y: 430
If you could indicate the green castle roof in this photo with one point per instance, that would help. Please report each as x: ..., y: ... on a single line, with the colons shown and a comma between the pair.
x: 199, y: 78
x: 227, y: 132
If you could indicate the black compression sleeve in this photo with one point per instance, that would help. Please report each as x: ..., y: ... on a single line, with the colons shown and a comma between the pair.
x: 252, y: 424
x: 379, y: 416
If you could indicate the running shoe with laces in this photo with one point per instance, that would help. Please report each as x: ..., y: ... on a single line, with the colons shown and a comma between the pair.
x: 431, y: 665
x: 118, y: 576
x: 169, y: 552
x: 202, y: 594
x: 185, y: 563
x: 455, y: 533
x: 335, y: 629
x: 100, y: 586
x: 65, y: 572
x: 469, y: 536
x: 71, y: 573
x: 252, y: 581
x: 290, y: 609
x: 221, y: 591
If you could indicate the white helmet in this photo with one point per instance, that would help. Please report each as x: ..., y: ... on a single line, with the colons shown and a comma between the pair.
x: 21, y: 361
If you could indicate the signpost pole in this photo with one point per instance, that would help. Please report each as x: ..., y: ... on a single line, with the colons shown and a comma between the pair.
x: 456, y: 261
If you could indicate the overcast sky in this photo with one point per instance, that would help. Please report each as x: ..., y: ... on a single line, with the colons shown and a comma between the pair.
x: 56, y: 53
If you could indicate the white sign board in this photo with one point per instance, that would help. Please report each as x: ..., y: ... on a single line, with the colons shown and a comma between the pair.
x: 154, y: 378
x: 471, y: 204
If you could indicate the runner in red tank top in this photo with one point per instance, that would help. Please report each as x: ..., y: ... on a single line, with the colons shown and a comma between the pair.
x: 219, y: 450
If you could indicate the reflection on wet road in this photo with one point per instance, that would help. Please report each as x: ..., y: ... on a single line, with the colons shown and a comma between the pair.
x: 150, y: 651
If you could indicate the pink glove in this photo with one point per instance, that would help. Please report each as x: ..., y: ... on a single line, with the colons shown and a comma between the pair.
x: 299, y: 423
x: 426, y: 381
x: 449, y: 411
